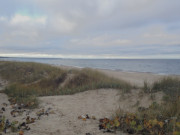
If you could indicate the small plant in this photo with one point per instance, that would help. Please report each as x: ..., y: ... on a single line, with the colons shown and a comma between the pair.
x: 134, y: 124
x: 2, y: 124
x: 14, y: 127
x: 146, y: 88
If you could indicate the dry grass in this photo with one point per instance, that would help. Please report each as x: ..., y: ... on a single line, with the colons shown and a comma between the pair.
x: 162, y: 119
x: 27, y: 72
x: 28, y: 79
x: 170, y: 86
x: 88, y: 79
x: 170, y: 108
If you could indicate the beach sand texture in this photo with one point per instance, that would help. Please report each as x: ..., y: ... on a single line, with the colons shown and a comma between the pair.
x: 99, y: 103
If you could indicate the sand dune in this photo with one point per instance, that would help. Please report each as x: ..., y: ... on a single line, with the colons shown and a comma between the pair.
x: 99, y: 103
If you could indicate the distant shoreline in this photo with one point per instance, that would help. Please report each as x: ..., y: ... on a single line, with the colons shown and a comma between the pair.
x: 116, y: 70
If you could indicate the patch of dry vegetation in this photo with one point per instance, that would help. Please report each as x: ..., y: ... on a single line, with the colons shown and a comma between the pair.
x: 157, y: 119
x: 27, y: 72
x: 27, y: 79
x: 170, y: 108
x: 88, y: 79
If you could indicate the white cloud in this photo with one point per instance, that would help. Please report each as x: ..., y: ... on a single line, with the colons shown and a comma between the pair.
x: 104, y: 40
x: 2, y: 18
x: 158, y: 35
x: 19, y: 19
x: 62, y: 25
x: 106, y: 7
x: 22, y: 31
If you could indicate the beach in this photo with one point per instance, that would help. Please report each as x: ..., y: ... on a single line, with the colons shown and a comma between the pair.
x: 98, y: 103
x: 136, y: 78
x: 89, y: 67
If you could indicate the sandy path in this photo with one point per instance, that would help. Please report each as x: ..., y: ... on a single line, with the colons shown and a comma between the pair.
x: 98, y: 103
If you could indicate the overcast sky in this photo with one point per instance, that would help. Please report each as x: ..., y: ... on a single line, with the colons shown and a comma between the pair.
x: 90, y: 28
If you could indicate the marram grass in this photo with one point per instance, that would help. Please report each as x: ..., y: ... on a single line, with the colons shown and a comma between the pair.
x: 28, y: 79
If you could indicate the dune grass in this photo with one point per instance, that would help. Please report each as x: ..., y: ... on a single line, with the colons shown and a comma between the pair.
x: 27, y: 79
x: 27, y: 72
x: 170, y: 108
x: 88, y: 79
x: 159, y: 118
x: 171, y: 88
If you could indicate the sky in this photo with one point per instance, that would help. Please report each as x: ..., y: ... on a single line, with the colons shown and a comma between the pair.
x: 90, y: 28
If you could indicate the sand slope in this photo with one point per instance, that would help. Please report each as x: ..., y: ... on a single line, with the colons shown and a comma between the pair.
x: 99, y: 103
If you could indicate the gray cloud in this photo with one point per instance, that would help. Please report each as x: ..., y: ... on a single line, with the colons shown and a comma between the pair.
x: 90, y: 27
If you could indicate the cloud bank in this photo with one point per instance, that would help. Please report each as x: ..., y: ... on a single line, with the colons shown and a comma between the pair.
x: 90, y: 28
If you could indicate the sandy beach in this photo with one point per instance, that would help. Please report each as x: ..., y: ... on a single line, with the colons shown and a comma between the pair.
x: 136, y: 78
x: 98, y: 103
x: 89, y: 67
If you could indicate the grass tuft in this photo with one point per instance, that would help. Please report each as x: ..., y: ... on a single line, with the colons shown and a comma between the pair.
x: 170, y: 86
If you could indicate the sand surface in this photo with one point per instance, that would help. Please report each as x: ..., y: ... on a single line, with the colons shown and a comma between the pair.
x: 136, y: 78
x: 99, y: 103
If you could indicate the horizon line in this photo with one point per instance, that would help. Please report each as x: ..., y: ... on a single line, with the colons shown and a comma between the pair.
x: 80, y: 56
x: 83, y: 58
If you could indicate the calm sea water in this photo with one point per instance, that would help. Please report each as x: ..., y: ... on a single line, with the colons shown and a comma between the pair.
x: 158, y: 66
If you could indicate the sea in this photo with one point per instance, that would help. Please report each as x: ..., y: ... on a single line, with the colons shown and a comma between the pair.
x: 156, y: 66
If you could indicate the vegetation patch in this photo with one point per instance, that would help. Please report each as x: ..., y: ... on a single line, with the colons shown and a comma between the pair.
x: 170, y: 86
x: 157, y: 119
x: 88, y: 79
x: 26, y: 72
x: 160, y: 119
x: 28, y: 79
